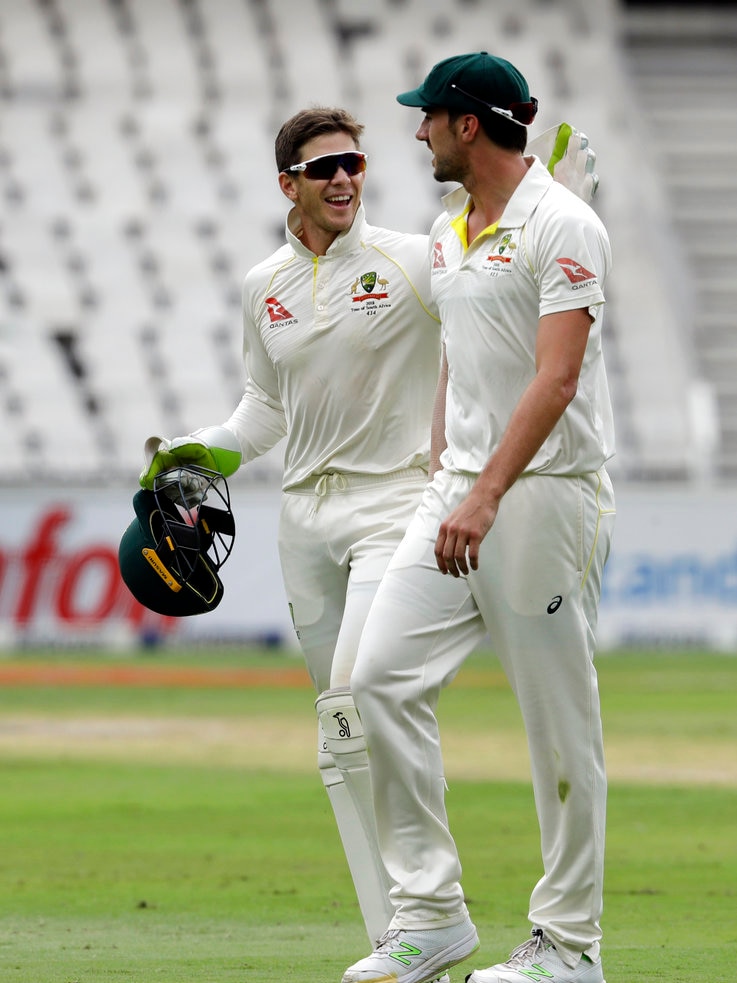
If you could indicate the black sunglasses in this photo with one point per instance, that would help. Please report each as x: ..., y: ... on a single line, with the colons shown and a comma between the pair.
x: 323, y: 168
x: 520, y: 112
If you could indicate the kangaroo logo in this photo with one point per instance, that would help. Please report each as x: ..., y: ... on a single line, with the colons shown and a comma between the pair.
x: 574, y: 271
x: 277, y: 311
x: 438, y: 260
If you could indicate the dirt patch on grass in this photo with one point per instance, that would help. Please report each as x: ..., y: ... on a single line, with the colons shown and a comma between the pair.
x: 288, y: 745
x: 285, y: 743
x: 142, y: 676
x: 270, y: 744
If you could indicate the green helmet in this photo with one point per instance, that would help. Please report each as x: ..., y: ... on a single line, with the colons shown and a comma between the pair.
x: 183, y: 532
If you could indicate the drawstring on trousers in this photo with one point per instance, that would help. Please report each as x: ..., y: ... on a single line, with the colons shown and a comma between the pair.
x: 330, y: 481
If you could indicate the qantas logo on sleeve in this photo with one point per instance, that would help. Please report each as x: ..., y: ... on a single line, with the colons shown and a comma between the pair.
x: 277, y: 311
x: 574, y: 271
x: 438, y: 260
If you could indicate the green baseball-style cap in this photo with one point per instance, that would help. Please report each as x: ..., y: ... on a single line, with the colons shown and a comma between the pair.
x: 463, y: 82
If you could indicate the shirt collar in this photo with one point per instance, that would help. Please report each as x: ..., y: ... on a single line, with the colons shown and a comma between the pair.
x: 520, y: 206
x: 344, y: 242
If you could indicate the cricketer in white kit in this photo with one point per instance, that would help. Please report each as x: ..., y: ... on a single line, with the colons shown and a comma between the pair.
x: 513, y: 297
x: 342, y: 355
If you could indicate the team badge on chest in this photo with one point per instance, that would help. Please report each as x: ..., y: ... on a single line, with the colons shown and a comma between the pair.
x: 369, y: 293
x: 499, y: 261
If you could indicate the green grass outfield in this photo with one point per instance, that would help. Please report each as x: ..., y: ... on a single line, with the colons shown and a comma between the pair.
x: 161, y: 823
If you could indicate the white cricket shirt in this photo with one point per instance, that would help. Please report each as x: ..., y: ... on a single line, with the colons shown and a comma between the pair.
x: 342, y: 354
x: 549, y: 252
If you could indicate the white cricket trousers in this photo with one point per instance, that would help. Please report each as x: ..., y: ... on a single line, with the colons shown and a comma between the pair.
x: 337, y: 534
x: 536, y: 592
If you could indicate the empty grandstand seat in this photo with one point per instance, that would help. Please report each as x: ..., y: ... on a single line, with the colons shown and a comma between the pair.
x: 138, y: 181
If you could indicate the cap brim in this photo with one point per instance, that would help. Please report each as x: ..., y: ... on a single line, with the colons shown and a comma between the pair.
x: 412, y: 98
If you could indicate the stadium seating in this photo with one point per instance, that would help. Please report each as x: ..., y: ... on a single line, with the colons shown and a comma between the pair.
x: 138, y: 185
x: 684, y: 69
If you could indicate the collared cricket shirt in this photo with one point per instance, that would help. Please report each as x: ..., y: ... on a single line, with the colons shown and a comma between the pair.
x: 342, y: 354
x: 548, y: 253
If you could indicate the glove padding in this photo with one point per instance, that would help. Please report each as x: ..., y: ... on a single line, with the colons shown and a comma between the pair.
x: 566, y: 153
x: 214, y: 448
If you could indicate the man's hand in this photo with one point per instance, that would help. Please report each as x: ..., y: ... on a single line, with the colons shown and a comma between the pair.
x: 214, y: 448
x: 461, y: 535
x: 161, y: 454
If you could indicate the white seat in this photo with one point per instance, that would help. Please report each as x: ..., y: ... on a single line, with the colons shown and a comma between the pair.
x: 33, y: 67
x: 49, y: 405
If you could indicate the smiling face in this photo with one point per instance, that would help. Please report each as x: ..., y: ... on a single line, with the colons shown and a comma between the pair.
x: 325, y: 207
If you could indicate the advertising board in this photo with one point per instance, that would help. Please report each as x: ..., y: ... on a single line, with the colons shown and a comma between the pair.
x: 671, y: 578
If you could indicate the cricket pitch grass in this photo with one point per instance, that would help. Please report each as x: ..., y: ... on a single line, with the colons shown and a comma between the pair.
x: 162, y: 820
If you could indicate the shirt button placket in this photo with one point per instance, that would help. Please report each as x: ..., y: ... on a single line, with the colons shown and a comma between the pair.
x: 321, y: 300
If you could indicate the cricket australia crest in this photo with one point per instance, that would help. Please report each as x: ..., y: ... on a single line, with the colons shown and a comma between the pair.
x: 370, y: 292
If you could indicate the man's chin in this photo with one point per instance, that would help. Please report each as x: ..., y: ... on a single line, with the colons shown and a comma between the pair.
x: 341, y: 222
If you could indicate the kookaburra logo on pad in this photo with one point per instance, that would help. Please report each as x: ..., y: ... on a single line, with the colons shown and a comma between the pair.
x: 344, y: 728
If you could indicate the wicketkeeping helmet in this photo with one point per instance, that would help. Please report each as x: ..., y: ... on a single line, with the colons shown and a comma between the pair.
x: 182, y: 534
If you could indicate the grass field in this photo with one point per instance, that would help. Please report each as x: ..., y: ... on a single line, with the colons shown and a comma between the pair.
x: 162, y: 820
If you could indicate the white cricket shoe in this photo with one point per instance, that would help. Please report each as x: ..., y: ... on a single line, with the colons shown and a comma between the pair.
x: 415, y: 956
x: 538, y: 960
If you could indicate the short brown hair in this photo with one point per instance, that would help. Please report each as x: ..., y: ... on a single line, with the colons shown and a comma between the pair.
x: 501, y: 130
x: 309, y: 123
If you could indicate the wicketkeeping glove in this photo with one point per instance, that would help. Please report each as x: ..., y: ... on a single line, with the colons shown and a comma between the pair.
x: 214, y: 448
x: 566, y: 153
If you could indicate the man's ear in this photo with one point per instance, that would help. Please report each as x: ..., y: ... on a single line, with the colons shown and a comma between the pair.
x: 286, y: 183
x: 468, y: 127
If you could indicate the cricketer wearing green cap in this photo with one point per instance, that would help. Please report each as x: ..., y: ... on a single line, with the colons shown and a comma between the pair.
x: 509, y: 540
